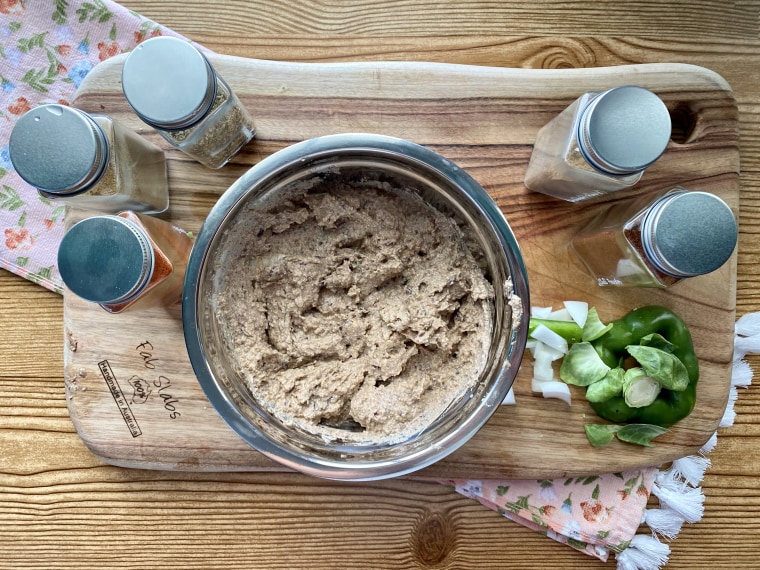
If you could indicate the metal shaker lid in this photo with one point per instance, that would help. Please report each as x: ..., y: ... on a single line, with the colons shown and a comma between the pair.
x: 58, y: 149
x: 168, y: 83
x: 624, y: 130
x: 105, y: 259
x: 689, y: 233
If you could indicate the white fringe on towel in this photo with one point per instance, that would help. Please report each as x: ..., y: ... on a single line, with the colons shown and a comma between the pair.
x: 677, y: 495
x: 664, y: 522
x: 691, y: 469
x: 644, y: 553
x: 677, y: 487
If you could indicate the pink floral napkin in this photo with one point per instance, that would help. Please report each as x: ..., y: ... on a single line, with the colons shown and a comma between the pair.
x: 48, y: 46
x: 595, y: 514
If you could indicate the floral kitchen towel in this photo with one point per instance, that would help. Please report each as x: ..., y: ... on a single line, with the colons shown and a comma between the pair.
x: 595, y: 514
x: 46, y: 49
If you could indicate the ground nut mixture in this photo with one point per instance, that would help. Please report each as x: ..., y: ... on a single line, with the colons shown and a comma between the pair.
x: 354, y: 313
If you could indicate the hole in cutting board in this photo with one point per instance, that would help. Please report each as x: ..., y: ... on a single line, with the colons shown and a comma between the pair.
x: 683, y: 121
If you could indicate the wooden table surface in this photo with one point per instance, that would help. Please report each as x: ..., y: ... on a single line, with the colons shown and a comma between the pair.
x: 62, y: 508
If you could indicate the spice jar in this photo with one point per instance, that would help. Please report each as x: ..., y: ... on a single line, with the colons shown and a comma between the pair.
x: 173, y: 87
x: 644, y: 243
x: 601, y: 143
x: 88, y: 161
x: 122, y: 260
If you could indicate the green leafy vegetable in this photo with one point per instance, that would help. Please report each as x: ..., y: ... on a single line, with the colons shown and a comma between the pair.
x: 582, y: 366
x: 659, y: 392
x: 608, y: 387
x: 599, y: 435
x: 594, y: 328
x: 639, y: 389
x: 657, y: 341
x: 663, y: 366
x: 640, y: 434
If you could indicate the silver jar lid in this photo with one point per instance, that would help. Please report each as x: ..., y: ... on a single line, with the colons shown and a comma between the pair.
x: 105, y: 259
x: 624, y: 130
x: 169, y: 84
x: 689, y: 233
x: 59, y: 150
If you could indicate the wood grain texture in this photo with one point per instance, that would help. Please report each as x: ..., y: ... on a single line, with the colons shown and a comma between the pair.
x: 62, y: 508
x: 460, y: 18
x: 484, y: 120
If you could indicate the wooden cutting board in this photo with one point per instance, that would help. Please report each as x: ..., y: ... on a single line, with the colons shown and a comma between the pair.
x: 484, y: 119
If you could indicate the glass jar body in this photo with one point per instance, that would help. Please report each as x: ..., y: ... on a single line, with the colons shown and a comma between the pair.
x: 611, y: 248
x: 558, y: 167
x: 134, y: 177
x: 171, y: 249
x: 220, y: 134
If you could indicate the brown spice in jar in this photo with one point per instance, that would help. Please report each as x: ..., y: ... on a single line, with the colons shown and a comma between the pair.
x: 221, y: 138
x: 180, y: 136
x: 633, y: 235
x: 134, y: 177
x: 106, y: 184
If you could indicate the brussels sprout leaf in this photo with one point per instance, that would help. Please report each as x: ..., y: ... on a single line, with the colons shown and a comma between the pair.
x: 593, y: 328
x: 662, y: 366
x: 640, y: 434
x: 608, y: 387
x: 599, y: 435
x: 582, y: 366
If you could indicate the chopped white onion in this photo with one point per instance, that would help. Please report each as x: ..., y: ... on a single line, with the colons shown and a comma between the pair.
x: 561, y: 315
x: 578, y: 311
x: 509, y: 400
x: 546, y: 346
x: 543, y: 371
x: 540, y: 312
x: 545, y: 351
x: 547, y: 336
x: 536, y: 384
x: 558, y: 390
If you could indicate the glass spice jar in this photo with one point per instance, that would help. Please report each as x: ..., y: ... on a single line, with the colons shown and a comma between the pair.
x: 642, y: 242
x: 173, y: 88
x: 601, y: 143
x: 125, y: 260
x: 88, y: 161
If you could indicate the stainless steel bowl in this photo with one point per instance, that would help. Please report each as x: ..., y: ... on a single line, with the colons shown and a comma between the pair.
x: 442, y: 184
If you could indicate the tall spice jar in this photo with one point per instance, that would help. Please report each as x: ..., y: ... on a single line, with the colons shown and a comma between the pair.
x: 173, y: 87
x: 601, y: 143
x: 643, y: 242
x: 88, y: 161
x: 125, y: 261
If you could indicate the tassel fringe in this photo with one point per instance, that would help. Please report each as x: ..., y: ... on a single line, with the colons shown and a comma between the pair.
x: 644, y: 553
x: 709, y: 444
x: 729, y: 416
x: 677, y: 487
x: 663, y: 522
x: 748, y: 325
x: 691, y: 469
x: 677, y: 495
x: 741, y: 375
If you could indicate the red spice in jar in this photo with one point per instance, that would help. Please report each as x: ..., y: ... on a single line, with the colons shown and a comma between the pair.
x: 171, y: 248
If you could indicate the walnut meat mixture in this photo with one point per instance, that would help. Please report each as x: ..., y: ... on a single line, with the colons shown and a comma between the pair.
x: 353, y: 312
